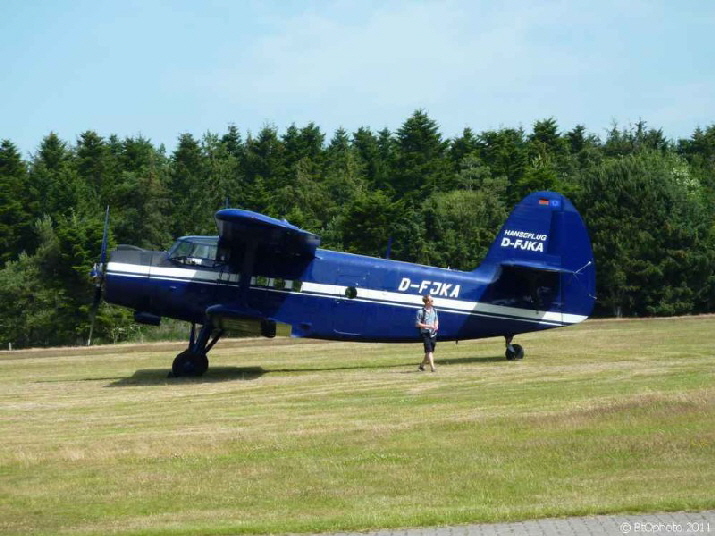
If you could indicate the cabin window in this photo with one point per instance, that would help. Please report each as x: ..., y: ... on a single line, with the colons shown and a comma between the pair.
x: 297, y: 286
x: 351, y: 292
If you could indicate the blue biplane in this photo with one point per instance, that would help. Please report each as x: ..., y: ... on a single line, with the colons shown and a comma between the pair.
x: 260, y: 274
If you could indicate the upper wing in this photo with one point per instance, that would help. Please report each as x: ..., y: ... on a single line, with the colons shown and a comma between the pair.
x: 241, y: 228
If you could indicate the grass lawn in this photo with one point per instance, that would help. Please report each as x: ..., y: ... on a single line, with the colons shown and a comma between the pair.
x: 309, y: 436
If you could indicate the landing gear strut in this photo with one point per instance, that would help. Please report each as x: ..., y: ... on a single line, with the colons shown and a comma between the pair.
x: 513, y: 351
x: 193, y: 362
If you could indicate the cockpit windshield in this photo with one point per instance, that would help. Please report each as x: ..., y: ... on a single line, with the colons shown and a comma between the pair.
x: 196, y: 250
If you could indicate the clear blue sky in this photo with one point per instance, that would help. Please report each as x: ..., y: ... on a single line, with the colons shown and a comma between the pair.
x: 161, y: 68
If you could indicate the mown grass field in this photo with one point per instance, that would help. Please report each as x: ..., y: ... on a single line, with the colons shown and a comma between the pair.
x: 308, y: 436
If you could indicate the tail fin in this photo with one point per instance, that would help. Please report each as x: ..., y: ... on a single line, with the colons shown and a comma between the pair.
x: 542, y: 258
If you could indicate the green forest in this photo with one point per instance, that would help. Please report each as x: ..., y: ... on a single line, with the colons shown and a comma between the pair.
x: 648, y: 201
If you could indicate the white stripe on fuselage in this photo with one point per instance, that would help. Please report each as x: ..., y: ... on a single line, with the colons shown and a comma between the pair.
x: 175, y: 274
x: 553, y: 318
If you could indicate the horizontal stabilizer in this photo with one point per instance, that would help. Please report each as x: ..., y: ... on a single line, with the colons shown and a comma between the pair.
x: 547, y: 267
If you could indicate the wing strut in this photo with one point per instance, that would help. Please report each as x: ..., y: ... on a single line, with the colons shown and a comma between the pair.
x: 249, y: 261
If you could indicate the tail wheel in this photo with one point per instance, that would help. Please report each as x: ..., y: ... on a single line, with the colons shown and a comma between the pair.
x: 190, y: 364
x: 514, y: 352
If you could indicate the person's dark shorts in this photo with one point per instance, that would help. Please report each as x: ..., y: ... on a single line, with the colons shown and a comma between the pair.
x: 430, y: 343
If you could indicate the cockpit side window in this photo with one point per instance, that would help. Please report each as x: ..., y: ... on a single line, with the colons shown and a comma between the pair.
x: 195, y: 251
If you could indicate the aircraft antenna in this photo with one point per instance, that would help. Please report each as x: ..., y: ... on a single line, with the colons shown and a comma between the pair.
x: 389, y: 247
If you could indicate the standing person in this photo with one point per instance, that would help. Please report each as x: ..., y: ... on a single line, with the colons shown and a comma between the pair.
x: 428, y: 324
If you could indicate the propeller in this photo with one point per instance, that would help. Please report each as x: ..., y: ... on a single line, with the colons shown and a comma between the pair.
x: 98, y: 271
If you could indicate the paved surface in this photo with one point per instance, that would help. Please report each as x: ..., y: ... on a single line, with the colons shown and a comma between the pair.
x: 692, y: 523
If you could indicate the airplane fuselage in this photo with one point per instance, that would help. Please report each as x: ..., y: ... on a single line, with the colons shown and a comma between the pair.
x: 338, y: 296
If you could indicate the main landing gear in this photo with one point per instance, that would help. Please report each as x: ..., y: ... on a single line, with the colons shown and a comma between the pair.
x: 513, y: 351
x: 193, y: 362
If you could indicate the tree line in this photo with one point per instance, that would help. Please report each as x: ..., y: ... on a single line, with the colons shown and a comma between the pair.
x: 649, y: 204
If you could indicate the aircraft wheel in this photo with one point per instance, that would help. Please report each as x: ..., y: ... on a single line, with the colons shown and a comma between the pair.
x: 514, y: 352
x: 190, y: 364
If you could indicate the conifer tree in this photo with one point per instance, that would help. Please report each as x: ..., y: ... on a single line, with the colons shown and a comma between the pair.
x: 54, y: 178
x: 15, y: 215
x: 505, y: 153
x: 264, y: 168
x: 421, y: 166
x: 186, y: 184
x: 374, y: 156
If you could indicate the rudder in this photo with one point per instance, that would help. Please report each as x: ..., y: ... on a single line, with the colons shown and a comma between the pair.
x: 543, y: 254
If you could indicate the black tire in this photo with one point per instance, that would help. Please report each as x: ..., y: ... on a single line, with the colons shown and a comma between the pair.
x: 190, y: 364
x: 515, y: 354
